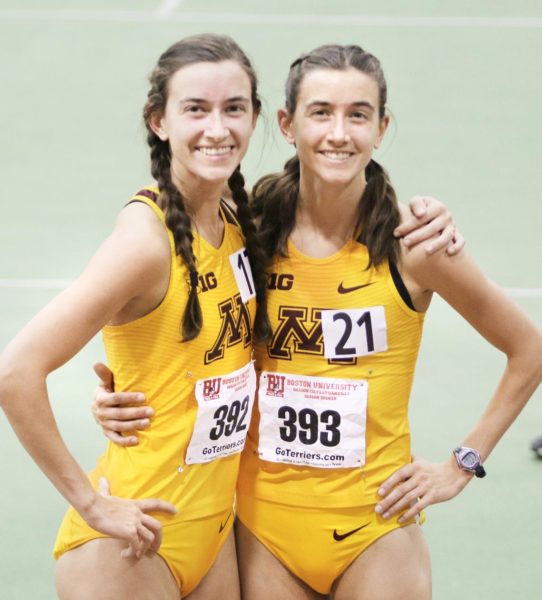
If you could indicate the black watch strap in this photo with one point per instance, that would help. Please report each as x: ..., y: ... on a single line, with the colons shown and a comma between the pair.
x: 480, y: 471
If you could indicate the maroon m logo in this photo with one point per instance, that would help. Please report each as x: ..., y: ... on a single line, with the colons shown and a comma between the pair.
x: 235, y: 328
x: 301, y: 334
x: 296, y: 331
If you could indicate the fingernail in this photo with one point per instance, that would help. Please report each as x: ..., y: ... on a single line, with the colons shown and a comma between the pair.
x: 133, y: 440
x: 378, y: 509
x: 149, y: 412
x: 144, y: 422
x: 381, y: 491
x: 429, y: 248
x: 140, y: 396
x: 406, y: 242
x: 401, y: 519
x: 386, y: 515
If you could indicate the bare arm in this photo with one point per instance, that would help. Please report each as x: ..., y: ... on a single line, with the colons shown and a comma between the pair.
x: 120, y: 273
x: 460, y: 282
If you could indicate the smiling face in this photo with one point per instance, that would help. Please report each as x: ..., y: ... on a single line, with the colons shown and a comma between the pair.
x: 336, y: 125
x: 208, y: 121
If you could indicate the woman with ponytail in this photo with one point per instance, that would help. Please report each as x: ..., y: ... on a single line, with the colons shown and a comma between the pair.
x: 172, y: 291
x: 329, y: 496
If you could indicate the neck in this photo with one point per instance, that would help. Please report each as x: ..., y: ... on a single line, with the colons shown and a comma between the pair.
x: 327, y: 213
x: 202, y: 201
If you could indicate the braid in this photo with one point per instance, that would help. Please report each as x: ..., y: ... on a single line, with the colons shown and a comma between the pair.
x: 204, y: 48
x: 256, y: 255
x: 378, y: 213
x: 179, y: 222
x: 378, y: 216
x: 275, y: 203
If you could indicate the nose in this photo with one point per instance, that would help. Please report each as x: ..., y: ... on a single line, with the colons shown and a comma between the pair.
x: 215, y: 129
x: 338, y: 133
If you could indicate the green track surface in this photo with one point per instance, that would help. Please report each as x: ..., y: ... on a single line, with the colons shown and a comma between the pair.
x: 467, y: 129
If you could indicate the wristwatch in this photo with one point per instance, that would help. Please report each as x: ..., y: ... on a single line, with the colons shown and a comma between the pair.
x: 469, y: 460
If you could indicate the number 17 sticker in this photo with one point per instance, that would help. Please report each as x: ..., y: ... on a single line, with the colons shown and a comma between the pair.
x: 354, y: 332
x: 243, y: 274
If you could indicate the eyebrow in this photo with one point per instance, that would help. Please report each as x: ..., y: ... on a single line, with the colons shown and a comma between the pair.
x: 360, y: 104
x: 199, y: 100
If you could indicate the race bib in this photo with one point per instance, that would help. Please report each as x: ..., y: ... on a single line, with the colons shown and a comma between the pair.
x: 354, y: 332
x: 312, y: 421
x: 243, y: 274
x: 224, y: 409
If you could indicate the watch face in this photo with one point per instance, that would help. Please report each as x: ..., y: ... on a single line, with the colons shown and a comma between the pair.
x: 470, y: 460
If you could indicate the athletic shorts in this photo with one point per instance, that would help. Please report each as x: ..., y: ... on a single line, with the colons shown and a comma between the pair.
x: 315, y: 544
x: 189, y: 547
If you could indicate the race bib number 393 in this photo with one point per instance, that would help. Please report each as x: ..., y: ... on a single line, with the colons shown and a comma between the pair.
x: 224, y: 409
x: 312, y: 421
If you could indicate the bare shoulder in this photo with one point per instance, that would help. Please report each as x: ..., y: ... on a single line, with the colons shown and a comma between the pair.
x: 465, y: 287
x: 141, y: 232
x: 131, y: 266
x: 133, y: 258
x: 138, y: 219
x: 441, y: 273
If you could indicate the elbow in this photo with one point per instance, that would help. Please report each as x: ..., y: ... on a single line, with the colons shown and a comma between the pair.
x: 6, y: 379
x: 533, y: 356
x: 525, y: 360
x: 539, y: 362
x: 537, y: 354
x: 11, y: 380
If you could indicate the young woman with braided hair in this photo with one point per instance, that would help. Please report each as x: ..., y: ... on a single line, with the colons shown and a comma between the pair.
x: 328, y: 492
x: 173, y: 292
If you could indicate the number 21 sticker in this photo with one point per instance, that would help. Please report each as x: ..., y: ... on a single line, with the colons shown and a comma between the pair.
x: 354, y: 332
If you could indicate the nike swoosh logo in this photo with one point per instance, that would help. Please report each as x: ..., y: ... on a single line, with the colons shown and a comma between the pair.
x: 223, y: 525
x: 338, y: 537
x: 343, y: 290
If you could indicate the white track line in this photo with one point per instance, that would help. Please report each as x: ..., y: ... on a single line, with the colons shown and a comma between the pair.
x: 128, y: 16
x: 524, y: 292
x: 34, y: 284
x: 167, y: 8
x: 58, y: 284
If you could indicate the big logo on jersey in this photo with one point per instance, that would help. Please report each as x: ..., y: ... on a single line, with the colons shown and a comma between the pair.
x: 235, y: 328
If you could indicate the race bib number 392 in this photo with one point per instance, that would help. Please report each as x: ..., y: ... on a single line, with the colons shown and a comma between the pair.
x: 312, y: 421
x: 224, y: 409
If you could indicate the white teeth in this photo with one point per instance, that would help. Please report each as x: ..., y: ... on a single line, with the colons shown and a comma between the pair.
x: 337, y: 155
x: 209, y: 151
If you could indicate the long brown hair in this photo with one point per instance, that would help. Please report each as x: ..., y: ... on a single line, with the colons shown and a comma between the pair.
x: 276, y: 196
x: 200, y: 48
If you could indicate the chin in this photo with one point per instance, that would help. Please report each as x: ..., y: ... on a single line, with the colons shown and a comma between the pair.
x: 217, y: 173
x: 339, y: 178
